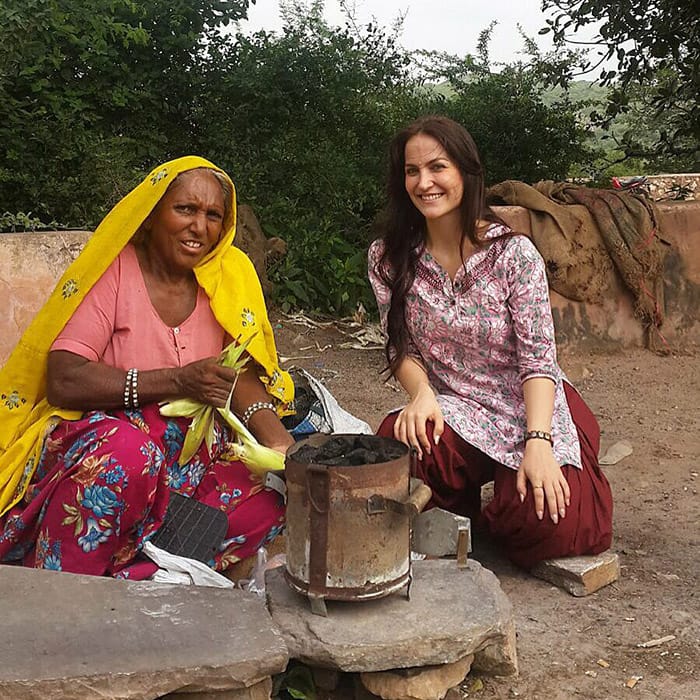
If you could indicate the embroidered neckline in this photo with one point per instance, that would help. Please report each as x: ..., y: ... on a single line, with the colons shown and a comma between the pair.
x: 479, y: 270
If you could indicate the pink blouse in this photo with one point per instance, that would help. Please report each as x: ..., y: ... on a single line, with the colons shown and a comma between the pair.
x: 117, y: 324
x: 479, y: 337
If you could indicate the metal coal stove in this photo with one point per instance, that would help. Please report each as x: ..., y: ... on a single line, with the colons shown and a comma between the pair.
x: 349, y: 527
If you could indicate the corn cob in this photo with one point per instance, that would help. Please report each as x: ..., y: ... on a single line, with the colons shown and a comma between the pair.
x: 258, y: 458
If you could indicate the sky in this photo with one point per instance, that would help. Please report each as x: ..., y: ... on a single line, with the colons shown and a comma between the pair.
x: 452, y: 26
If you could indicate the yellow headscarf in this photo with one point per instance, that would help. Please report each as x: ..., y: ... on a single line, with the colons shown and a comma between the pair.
x: 226, y: 275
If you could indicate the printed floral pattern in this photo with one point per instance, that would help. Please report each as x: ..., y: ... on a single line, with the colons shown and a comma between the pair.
x: 70, y: 287
x: 479, y: 337
x: 13, y: 400
x: 101, y: 488
x: 159, y: 175
x: 248, y: 317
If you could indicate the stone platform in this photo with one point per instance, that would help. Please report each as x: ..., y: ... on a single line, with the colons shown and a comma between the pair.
x: 452, y: 613
x: 84, y: 637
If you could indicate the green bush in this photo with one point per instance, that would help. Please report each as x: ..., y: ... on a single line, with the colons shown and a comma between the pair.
x: 94, y: 93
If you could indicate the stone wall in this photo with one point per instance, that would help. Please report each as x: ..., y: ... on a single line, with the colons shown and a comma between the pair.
x: 664, y: 187
x: 613, y: 324
x: 30, y: 264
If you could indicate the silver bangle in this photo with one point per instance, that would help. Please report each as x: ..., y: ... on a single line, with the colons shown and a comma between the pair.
x: 131, y: 394
x: 134, y: 387
x: 127, y: 390
x: 254, y: 408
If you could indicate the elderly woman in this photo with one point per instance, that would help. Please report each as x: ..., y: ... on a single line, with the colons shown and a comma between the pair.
x: 87, y: 462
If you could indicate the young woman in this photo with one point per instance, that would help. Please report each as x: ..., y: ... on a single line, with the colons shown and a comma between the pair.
x: 465, y: 305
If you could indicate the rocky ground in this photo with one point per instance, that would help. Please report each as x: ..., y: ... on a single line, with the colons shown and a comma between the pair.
x: 581, y: 647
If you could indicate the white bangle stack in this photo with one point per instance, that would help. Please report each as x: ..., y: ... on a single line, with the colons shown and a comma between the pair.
x: 131, y: 393
x: 254, y: 408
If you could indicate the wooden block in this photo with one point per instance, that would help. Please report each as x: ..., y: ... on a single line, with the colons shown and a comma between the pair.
x: 580, y: 576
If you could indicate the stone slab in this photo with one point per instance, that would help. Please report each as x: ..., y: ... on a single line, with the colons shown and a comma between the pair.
x: 259, y: 691
x: 84, y: 637
x: 580, y: 576
x: 428, y: 683
x: 435, y: 532
x: 451, y: 613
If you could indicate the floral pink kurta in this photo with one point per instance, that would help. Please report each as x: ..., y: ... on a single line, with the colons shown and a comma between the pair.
x: 479, y: 337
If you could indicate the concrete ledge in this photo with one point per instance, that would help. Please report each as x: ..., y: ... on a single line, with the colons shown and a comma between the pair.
x: 613, y: 324
x: 30, y: 265
x: 84, y: 637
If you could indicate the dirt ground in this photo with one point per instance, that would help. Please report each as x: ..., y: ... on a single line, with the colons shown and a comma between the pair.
x: 654, y: 403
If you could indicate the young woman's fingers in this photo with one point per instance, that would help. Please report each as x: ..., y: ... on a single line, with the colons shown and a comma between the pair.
x: 538, y: 491
x: 567, y: 491
x: 422, y: 435
x: 412, y: 437
x: 438, y: 428
x: 521, y: 484
x: 555, y: 503
x: 400, y: 429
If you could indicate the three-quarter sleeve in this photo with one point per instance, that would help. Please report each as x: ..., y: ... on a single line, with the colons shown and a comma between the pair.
x: 382, y: 293
x: 529, y: 306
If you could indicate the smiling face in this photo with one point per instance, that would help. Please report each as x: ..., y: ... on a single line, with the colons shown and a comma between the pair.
x: 187, y: 222
x: 433, y: 181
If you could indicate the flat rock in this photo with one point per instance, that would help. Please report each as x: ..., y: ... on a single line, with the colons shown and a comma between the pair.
x: 580, y: 576
x: 78, y: 637
x: 259, y: 691
x: 616, y: 453
x: 427, y: 683
x: 451, y: 613
x: 436, y: 532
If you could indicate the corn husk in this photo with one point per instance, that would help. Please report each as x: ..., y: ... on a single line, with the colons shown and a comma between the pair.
x: 258, y: 458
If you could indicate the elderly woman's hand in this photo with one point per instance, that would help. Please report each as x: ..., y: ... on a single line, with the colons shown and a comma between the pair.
x: 206, y: 381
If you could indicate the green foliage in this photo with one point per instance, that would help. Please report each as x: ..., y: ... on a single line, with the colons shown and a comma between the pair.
x: 656, y: 44
x: 322, y: 271
x: 93, y: 93
x: 21, y: 221
x: 296, y: 683
x: 303, y: 120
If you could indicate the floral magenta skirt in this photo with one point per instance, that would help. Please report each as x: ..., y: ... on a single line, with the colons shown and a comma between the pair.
x: 102, y: 487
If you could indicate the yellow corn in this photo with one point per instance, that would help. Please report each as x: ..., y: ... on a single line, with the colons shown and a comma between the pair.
x: 258, y: 458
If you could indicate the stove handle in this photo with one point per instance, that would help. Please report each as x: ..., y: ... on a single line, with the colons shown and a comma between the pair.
x: 414, y: 504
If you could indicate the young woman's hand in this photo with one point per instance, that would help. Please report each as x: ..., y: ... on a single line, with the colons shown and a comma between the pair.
x: 540, y: 470
x: 409, y: 427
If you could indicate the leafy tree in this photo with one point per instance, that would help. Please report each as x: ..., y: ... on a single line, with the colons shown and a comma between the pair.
x: 302, y: 121
x: 657, y: 47
x: 97, y: 90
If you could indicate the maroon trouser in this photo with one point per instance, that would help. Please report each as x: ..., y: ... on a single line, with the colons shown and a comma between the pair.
x: 456, y: 470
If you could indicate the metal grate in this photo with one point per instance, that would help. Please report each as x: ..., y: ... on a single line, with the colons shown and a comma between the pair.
x: 191, y: 529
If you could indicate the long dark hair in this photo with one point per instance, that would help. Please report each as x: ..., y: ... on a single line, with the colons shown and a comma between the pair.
x: 403, y: 228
